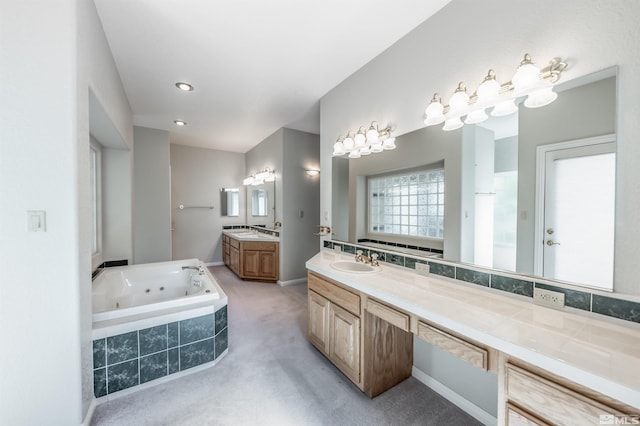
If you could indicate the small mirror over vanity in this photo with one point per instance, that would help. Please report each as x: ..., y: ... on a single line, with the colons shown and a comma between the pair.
x: 230, y: 202
x: 498, y: 190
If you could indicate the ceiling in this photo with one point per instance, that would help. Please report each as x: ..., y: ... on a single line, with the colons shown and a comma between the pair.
x: 256, y: 65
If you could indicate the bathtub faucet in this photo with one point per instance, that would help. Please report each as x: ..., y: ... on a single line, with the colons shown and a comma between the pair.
x: 200, y: 269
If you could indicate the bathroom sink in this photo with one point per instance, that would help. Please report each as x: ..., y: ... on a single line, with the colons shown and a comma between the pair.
x: 352, y: 266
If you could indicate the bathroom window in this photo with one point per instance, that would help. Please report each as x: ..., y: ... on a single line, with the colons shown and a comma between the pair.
x: 96, y: 202
x: 408, y: 204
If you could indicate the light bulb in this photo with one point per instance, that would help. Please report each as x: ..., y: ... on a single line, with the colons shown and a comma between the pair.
x: 354, y: 154
x: 452, y: 124
x: 248, y: 180
x: 348, y: 143
x: 504, y: 108
x: 540, y: 98
x: 376, y: 147
x: 460, y: 99
x: 365, y: 150
x: 389, y: 144
x: 489, y: 89
x: 434, y: 111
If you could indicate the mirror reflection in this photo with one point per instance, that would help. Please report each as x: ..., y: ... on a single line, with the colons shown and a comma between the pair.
x: 259, y: 202
x: 494, y: 186
x: 229, y: 202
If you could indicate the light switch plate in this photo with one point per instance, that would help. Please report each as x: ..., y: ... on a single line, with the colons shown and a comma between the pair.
x: 36, y: 221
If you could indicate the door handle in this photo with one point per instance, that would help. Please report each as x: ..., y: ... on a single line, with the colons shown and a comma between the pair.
x: 551, y: 243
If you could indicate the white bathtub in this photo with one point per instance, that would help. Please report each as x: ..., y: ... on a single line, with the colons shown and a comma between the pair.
x: 129, y: 290
x: 155, y: 322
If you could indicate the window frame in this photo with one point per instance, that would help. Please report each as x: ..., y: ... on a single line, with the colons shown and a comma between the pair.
x: 95, y: 201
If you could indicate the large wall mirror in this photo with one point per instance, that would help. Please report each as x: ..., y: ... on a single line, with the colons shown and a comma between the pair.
x: 496, y: 173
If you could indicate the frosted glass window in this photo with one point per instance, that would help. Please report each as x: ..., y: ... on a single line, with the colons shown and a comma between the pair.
x: 410, y: 204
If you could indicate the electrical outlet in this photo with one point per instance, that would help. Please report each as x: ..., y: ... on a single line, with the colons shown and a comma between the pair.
x: 550, y: 298
x: 337, y: 249
x: 422, y: 268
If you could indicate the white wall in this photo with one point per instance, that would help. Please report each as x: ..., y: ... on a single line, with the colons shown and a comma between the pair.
x: 267, y: 154
x: 197, y: 174
x: 117, y: 179
x: 452, y: 46
x: 151, y: 196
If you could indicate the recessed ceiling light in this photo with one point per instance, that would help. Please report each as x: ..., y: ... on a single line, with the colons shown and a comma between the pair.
x: 179, y: 122
x: 184, y: 86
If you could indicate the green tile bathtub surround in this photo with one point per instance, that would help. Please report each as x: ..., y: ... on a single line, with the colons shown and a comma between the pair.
x: 221, y: 342
x: 122, y: 376
x: 194, y: 329
x: 474, y: 277
x: 442, y: 269
x: 512, y: 285
x: 394, y: 259
x: 99, y: 353
x: 122, y: 347
x: 221, y: 319
x: 572, y: 298
x: 197, y: 353
x: 172, y: 335
x: 617, y: 308
x: 173, y: 359
x: 100, y: 382
x: 153, y: 366
x: 153, y: 339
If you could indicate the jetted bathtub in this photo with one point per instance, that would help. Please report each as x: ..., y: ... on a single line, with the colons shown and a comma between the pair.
x: 153, y: 322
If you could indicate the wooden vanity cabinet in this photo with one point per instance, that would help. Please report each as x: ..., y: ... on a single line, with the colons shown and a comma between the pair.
x: 252, y: 260
x: 372, y: 353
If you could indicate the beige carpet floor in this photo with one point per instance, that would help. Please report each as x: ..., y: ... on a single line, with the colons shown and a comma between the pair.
x: 273, y: 376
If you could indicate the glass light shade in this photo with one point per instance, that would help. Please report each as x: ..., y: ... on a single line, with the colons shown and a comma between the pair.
x: 372, y: 133
x: 354, y: 154
x: 348, y: 143
x: 257, y: 182
x: 435, y: 113
x: 389, y: 144
x: 248, y: 180
x: 540, y: 98
x: 460, y: 99
x: 504, y: 108
x: 338, y: 149
x: 477, y: 116
x: 359, y: 139
x: 365, y: 151
x: 488, y: 90
x: 526, y: 75
x: 376, y: 147
x: 452, y: 124
x: 271, y: 177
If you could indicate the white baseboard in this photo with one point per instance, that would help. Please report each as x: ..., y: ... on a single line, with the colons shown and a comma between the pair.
x: 90, y: 411
x: 292, y: 282
x: 461, y: 402
x: 214, y: 263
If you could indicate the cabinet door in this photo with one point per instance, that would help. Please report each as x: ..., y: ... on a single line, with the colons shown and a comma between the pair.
x: 344, y: 341
x: 250, y: 263
x: 318, y: 324
x: 234, y: 259
x: 518, y: 417
x: 268, y: 265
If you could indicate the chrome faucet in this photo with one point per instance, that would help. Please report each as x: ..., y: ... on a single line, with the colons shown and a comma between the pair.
x: 199, y: 268
x: 372, y: 259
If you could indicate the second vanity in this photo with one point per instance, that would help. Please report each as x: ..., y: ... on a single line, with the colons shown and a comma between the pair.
x: 251, y: 255
x: 553, y: 366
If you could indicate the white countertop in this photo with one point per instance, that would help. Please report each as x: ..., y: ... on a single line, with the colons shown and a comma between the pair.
x: 597, y: 352
x: 249, y: 235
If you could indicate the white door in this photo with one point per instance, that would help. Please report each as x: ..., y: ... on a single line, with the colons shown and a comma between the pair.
x: 579, y: 202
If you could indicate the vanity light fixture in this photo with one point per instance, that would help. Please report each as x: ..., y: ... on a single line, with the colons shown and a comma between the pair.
x: 530, y: 81
x: 367, y: 140
x: 264, y: 175
x: 180, y: 123
x: 312, y: 172
x: 184, y: 86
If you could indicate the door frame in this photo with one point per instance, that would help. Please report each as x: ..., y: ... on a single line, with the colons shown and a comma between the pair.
x: 541, y: 166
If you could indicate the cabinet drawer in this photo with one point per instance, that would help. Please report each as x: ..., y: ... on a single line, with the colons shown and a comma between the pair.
x: 474, y: 355
x: 234, y: 243
x: 338, y: 295
x: 258, y: 245
x: 390, y: 315
x: 518, y: 417
x: 552, y: 402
